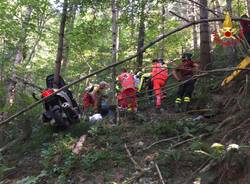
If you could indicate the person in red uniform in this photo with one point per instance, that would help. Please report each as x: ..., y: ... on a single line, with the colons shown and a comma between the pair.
x: 185, y: 72
x: 245, y: 24
x: 127, y: 96
x: 93, y: 98
x: 159, y: 76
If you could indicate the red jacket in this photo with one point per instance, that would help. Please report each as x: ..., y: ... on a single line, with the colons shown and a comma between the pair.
x: 245, y: 24
x: 88, y: 100
x: 186, y: 67
x: 158, y: 72
x: 126, y: 80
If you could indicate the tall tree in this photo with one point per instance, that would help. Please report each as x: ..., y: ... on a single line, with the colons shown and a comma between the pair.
x: 19, y: 56
x: 229, y: 5
x: 248, y: 7
x: 68, y: 30
x: 60, y: 44
x: 205, y: 56
x: 195, y: 39
x: 162, y: 46
x: 141, y: 35
x: 115, y: 45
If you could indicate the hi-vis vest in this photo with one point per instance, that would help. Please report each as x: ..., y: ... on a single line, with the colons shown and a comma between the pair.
x: 126, y: 80
x: 158, y: 72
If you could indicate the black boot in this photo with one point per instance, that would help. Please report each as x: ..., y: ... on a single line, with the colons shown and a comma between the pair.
x: 186, y: 106
x: 177, y: 107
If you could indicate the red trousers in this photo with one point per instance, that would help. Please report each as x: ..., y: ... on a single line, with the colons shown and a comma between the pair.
x: 157, y: 85
x: 127, y: 99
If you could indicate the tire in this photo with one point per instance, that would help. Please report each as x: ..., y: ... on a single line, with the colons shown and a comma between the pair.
x: 60, y: 121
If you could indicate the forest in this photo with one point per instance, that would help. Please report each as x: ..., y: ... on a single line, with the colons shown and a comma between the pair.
x: 124, y: 91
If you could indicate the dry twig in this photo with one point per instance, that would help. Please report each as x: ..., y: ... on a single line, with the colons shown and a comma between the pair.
x: 160, y: 141
x: 236, y: 128
x: 137, y: 166
x: 159, y: 173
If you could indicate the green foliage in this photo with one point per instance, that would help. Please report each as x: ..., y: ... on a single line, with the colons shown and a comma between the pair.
x: 167, y: 128
x: 2, y: 95
x: 199, y: 145
x: 32, y: 179
x: 93, y: 159
x: 4, y: 167
x: 58, y: 158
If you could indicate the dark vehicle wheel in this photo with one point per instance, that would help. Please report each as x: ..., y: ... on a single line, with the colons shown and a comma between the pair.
x: 60, y: 121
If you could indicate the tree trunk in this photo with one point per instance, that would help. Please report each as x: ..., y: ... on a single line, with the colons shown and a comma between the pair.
x: 60, y: 44
x: 230, y: 50
x: 162, y: 45
x: 229, y: 6
x: 132, y: 23
x: 69, y: 28
x: 219, y: 12
x: 205, y: 56
x: 18, y: 58
x: 195, y: 39
x: 141, y: 36
x: 115, y: 45
x: 248, y: 7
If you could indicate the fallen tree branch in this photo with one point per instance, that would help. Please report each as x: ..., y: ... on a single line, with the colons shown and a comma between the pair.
x: 143, y: 49
x: 187, y: 140
x: 224, y: 122
x: 8, y: 145
x: 196, y: 171
x: 236, y: 128
x: 199, y: 110
x: 79, y: 145
x: 160, y: 141
x: 159, y: 173
x: 137, y: 166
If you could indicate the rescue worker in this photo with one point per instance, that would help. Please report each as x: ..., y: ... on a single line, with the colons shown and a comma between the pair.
x: 245, y: 24
x: 185, y: 72
x: 94, y: 97
x: 146, y: 83
x: 159, y: 76
x: 127, y: 95
x: 157, y: 80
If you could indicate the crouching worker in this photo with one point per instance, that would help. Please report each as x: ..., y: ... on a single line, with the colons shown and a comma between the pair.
x: 127, y: 95
x: 184, y: 72
x: 94, y: 98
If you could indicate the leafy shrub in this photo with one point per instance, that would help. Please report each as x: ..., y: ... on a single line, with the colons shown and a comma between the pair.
x: 167, y: 128
x: 58, y: 158
x: 32, y: 179
x: 93, y: 159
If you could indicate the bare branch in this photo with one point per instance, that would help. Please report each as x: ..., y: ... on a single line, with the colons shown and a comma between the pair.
x: 179, y: 16
x: 159, y: 173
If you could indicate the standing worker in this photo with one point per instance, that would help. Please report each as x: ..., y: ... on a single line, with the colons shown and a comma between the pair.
x: 185, y: 72
x: 159, y: 76
x: 127, y: 96
x: 245, y: 24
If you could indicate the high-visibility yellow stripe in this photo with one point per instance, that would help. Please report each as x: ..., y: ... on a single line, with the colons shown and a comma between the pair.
x: 178, y: 100
x: 142, y: 80
x: 243, y: 64
x: 187, y: 99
